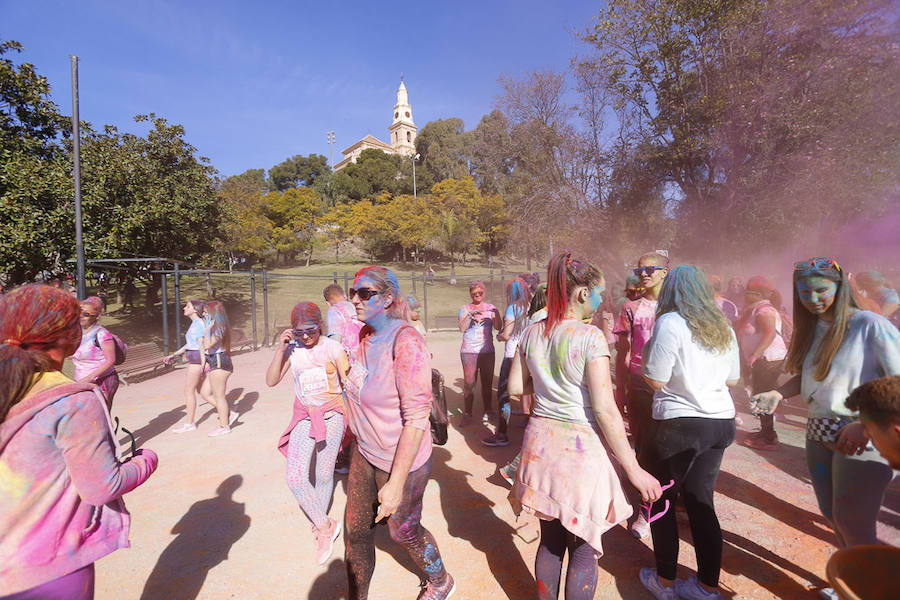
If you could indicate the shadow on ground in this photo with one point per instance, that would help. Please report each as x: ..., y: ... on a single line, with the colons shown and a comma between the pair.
x: 205, y: 536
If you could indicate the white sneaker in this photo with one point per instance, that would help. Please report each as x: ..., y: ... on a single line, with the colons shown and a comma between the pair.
x: 828, y: 594
x: 690, y: 589
x: 219, y: 431
x: 232, y: 418
x: 184, y: 428
x: 640, y: 529
x: 650, y: 580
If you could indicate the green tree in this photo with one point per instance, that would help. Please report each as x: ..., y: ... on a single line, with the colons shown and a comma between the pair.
x: 297, y: 171
x: 293, y: 214
x: 444, y: 149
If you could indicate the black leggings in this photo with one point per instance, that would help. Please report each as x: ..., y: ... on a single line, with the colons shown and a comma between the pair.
x: 475, y: 366
x: 689, y: 451
x: 363, y: 484
x: 764, y: 377
x: 581, y: 572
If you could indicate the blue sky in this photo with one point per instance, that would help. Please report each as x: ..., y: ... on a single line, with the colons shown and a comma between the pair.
x: 255, y: 83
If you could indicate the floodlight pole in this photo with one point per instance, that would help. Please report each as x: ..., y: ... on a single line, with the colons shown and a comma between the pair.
x: 331, y: 143
x: 76, y: 154
x: 414, y: 158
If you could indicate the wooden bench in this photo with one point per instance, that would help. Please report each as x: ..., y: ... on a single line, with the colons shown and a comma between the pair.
x: 142, y: 358
x: 446, y: 323
x: 239, y: 340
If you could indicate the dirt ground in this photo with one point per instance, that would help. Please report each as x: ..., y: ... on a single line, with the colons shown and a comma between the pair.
x: 218, y: 521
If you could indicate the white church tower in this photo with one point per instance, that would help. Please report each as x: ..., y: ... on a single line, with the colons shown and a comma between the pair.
x: 403, y: 129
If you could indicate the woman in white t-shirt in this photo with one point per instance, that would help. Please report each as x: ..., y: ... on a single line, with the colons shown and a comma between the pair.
x: 566, y: 477
x: 692, y: 360
x: 319, y: 365
x: 514, y: 322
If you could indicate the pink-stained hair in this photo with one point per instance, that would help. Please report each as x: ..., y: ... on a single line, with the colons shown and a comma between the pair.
x: 94, y: 302
x: 564, y: 274
x: 215, y: 311
x: 306, y: 311
x: 33, y: 319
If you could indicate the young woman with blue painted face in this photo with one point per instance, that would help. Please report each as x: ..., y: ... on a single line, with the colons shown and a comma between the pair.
x: 835, y: 348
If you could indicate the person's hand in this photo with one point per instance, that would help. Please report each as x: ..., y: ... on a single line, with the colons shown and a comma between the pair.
x: 389, y: 497
x: 852, y: 439
x: 286, y: 337
x: 646, y: 484
x: 168, y: 359
x: 148, y: 456
x: 765, y: 403
x: 752, y: 359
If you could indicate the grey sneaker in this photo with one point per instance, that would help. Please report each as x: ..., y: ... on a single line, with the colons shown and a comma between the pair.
x: 650, y: 580
x: 690, y: 589
x: 497, y: 439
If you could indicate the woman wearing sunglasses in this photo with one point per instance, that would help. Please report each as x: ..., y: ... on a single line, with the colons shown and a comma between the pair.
x: 477, y: 321
x: 61, y: 481
x: 388, y: 404
x: 835, y: 348
x: 690, y: 362
x: 318, y: 365
x: 193, y: 339
x: 215, y: 361
x: 96, y: 355
x: 565, y: 476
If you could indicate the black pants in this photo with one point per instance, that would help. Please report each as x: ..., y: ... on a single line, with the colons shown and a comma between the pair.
x: 477, y: 366
x: 764, y: 377
x: 689, y: 451
x: 503, y: 395
x: 639, y: 401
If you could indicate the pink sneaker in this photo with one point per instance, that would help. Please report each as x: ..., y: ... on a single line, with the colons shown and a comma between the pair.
x: 325, y: 540
x: 219, y: 431
x: 184, y: 428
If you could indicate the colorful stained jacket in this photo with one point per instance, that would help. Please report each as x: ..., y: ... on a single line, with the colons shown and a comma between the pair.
x: 61, y: 484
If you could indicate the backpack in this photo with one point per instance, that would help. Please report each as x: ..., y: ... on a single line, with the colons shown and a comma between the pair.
x: 121, y: 347
x: 438, y: 417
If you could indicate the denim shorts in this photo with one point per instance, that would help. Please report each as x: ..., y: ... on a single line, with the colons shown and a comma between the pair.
x: 219, y: 360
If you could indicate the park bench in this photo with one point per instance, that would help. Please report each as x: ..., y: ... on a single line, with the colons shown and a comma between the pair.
x: 142, y: 358
x: 446, y: 323
x: 239, y: 340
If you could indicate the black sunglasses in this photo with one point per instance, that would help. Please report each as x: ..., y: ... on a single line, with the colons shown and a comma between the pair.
x: 650, y: 270
x: 308, y: 332
x: 363, y: 293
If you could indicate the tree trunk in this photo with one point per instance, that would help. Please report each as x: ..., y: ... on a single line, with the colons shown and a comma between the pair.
x: 528, y: 257
x: 452, y: 270
x: 308, y: 257
x: 337, y: 260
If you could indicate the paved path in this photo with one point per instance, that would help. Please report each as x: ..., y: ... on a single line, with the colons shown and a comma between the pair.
x: 218, y: 521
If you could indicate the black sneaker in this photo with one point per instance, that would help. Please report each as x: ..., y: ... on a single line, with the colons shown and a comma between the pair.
x: 498, y: 439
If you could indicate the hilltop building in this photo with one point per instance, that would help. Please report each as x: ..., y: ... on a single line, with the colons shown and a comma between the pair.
x: 402, y: 134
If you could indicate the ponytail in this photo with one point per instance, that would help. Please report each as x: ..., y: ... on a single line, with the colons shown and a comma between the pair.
x: 564, y: 274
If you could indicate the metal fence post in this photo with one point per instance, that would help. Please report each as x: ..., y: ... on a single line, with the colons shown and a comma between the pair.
x: 265, y: 308
x: 177, y: 304
x: 425, y: 298
x: 335, y: 277
x: 346, y: 283
x: 253, y: 304
x: 493, y: 291
x: 412, y: 278
x: 502, y: 279
x: 165, y: 314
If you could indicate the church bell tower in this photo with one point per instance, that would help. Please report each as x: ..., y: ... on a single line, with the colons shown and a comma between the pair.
x: 403, y: 129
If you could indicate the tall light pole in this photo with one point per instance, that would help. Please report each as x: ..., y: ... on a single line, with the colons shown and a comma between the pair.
x: 331, y: 143
x: 76, y: 172
x: 414, y: 158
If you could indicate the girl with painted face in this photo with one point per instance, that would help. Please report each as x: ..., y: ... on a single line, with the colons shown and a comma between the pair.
x: 215, y: 361
x: 690, y: 362
x: 514, y: 322
x: 191, y: 350
x: 61, y: 481
x: 762, y: 344
x: 318, y: 365
x: 835, y: 348
x: 477, y: 321
x: 388, y: 405
x: 95, y: 358
x: 565, y: 476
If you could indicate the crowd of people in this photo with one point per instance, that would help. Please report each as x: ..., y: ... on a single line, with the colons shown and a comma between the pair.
x: 629, y: 406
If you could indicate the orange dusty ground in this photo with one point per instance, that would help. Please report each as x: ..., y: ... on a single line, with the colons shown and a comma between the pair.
x: 250, y: 540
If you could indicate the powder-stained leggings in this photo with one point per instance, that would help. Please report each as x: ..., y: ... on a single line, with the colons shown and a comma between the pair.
x: 688, y: 450
x: 477, y: 365
x: 849, y: 490
x: 581, y: 572
x: 77, y: 585
x: 363, y: 484
x: 314, y: 499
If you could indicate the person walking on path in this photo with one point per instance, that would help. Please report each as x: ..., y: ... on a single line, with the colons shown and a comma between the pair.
x: 61, y: 476
x: 216, y: 363
x: 477, y: 322
x: 341, y: 320
x: 690, y: 362
x: 95, y: 358
x: 762, y: 345
x: 389, y: 401
x: 835, y: 348
x: 565, y: 476
x: 318, y: 365
x: 633, y: 330
x: 193, y: 341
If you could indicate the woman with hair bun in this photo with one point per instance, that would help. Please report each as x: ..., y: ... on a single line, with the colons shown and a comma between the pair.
x: 95, y: 358
x: 193, y: 339
x: 318, y: 365
x: 565, y: 476
x: 389, y: 401
x: 61, y: 479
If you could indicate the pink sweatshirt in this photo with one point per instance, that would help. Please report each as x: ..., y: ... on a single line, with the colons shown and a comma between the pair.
x: 61, y: 484
x: 385, y: 393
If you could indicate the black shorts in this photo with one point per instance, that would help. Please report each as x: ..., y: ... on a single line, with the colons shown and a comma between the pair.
x: 219, y: 360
